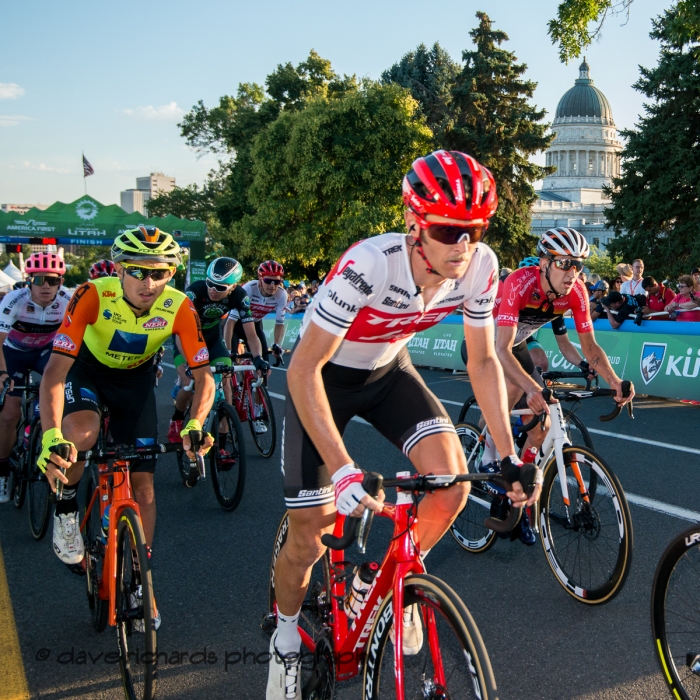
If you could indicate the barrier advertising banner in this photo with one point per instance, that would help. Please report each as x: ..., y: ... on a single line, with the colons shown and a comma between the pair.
x: 662, y: 358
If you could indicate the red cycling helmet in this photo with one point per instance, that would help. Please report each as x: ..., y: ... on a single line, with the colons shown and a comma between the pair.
x: 102, y: 268
x: 45, y: 263
x: 450, y: 184
x: 271, y: 268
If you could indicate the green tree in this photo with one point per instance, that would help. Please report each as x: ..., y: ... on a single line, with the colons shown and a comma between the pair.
x: 602, y: 263
x: 330, y: 174
x: 492, y: 119
x: 430, y: 75
x: 655, y: 199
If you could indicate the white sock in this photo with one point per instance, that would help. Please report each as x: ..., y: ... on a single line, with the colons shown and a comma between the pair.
x: 490, y: 453
x: 288, y: 638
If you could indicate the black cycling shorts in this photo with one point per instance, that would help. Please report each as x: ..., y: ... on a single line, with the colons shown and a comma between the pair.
x: 393, y: 398
x: 239, y: 333
x: 522, y: 355
x: 130, y: 398
x: 19, y: 362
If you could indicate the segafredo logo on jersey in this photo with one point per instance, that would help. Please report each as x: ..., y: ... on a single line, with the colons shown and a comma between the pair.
x: 63, y: 342
x: 154, y: 323
x: 356, y: 279
x: 201, y: 356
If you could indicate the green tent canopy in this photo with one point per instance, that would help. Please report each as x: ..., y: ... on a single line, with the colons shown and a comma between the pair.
x: 89, y: 222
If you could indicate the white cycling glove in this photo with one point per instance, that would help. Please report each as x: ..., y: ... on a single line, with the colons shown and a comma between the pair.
x: 348, y: 488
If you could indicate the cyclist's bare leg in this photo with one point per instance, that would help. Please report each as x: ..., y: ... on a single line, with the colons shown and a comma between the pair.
x: 80, y: 428
x: 536, y: 436
x: 9, y: 418
x: 439, y: 454
x: 183, y: 398
x: 300, y: 552
x: 145, y: 496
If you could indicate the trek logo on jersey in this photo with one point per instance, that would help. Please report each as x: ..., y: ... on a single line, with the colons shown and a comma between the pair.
x: 63, y: 342
x: 201, y: 356
x: 155, y: 323
x: 356, y: 279
x: 373, y: 326
x: 108, y: 294
x: 393, y: 249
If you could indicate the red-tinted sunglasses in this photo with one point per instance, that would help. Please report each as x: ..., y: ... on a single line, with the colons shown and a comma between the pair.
x: 451, y: 235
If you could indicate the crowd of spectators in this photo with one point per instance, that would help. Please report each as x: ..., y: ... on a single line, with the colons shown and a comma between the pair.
x: 631, y: 294
x: 299, y: 296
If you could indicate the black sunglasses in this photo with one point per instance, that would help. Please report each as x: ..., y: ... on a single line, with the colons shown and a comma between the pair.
x: 218, y: 287
x: 451, y: 235
x: 567, y: 264
x: 267, y: 280
x: 39, y: 280
x: 142, y: 273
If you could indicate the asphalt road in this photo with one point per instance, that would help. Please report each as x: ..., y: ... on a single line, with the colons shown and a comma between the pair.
x: 210, y: 578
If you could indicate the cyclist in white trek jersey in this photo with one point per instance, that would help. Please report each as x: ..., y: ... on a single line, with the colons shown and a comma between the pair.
x: 352, y: 360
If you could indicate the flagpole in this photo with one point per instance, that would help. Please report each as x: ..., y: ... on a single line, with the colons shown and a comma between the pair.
x: 84, y: 178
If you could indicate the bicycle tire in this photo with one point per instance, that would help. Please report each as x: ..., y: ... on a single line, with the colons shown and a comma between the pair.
x: 139, y: 670
x: 316, y: 608
x: 445, y: 620
x: 579, y: 428
x: 265, y: 442
x: 604, y: 523
x: 183, y: 461
x: 228, y: 471
x: 465, y: 409
x: 94, y: 554
x: 468, y: 529
x: 675, y: 614
x: 18, y: 464
x: 38, y: 490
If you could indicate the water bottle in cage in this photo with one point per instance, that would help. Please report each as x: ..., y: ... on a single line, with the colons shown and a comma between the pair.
x: 360, y: 585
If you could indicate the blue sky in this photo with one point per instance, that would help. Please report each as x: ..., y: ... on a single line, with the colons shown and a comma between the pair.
x: 114, y: 78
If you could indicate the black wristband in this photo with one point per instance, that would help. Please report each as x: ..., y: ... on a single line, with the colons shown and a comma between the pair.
x: 4, y: 371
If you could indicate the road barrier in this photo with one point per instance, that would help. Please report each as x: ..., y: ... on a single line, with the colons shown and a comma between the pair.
x: 662, y: 358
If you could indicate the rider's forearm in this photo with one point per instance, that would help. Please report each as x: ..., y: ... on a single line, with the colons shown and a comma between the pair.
x: 489, y: 388
x: 568, y: 349
x: 253, y: 341
x: 203, y: 399
x: 51, y: 395
x: 598, y: 360
x: 228, y: 334
x: 279, y: 333
x: 514, y: 372
x: 311, y: 404
x: 3, y: 364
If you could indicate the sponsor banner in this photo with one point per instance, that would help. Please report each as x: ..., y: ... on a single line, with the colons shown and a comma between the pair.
x: 662, y: 358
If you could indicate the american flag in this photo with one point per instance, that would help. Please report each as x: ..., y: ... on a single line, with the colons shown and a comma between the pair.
x: 87, y: 168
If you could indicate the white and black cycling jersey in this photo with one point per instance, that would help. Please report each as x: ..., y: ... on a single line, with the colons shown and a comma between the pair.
x: 261, y: 305
x: 27, y: 324
x: 370, y: 298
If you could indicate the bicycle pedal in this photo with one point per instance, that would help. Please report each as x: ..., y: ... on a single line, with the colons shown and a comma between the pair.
x: 269, y: 623
x: 78, y: 569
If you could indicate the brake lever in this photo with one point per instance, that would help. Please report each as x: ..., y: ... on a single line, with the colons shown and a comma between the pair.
x: 363, y: 530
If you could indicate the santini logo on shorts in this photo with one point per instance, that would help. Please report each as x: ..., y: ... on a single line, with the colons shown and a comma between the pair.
x: 201, y: 356
x: 155, y: 323
x: 63, y: 342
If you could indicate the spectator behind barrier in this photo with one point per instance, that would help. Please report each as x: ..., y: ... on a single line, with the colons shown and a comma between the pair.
x: 624, y: 306
x: 633, y: 287
x: 598, y: 291
x: 686, y: 299
x: 695, y: 274
x: 624, y: 270
x: 658, y: 295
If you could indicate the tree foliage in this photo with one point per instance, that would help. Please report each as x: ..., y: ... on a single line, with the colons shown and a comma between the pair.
x: 656, y: 197
x: 491, y: 118
x: 602, y: 263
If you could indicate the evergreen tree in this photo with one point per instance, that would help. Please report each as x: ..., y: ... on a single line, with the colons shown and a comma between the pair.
x: 490, y: 118
x: 429, y: 75
x: 655, y: 199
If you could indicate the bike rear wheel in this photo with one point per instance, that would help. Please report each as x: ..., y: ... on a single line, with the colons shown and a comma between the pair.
x: 470, y: 412
x: 37, y: 486
x: 452, y: 662
x: 135, y: 603
x: 94, y: 553
x: 675, y: 614
x: 468, y: 528
x: 588, y: 544
x: 228, y: 458
x: 18, y: 473
x: 262, y: 408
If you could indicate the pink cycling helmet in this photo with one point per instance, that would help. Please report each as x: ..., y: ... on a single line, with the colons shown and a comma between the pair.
x: 45, y: 263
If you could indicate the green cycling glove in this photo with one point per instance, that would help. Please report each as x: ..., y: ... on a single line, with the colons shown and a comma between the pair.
x: 51, y: 439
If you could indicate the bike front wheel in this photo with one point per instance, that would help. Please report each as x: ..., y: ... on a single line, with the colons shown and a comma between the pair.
x: 452, y: 661
x: 37, y: 487
x: 468, y: 529
x: 228, y: 458
x: 261, y: 418
x: 588, y: 543
x: 136, y: 609
x: 675, y: 614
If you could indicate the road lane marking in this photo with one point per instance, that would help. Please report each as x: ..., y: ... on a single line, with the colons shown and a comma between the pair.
x: 14, y: 681
x: 665, y: 508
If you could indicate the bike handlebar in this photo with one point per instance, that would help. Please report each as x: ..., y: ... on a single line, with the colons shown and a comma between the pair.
x: 359, y: 527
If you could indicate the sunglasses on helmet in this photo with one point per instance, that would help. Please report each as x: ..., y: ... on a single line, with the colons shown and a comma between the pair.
x: 218, y: 287
x: 451, y: 235
x: 141, y: 273
x: 566, y: 264
x: 267, y: 280
x: 39, y: 280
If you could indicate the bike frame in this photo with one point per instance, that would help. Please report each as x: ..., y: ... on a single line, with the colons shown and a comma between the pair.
x: 242, y: 394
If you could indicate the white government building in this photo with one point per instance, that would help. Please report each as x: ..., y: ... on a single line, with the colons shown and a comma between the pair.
x: 586, y: 152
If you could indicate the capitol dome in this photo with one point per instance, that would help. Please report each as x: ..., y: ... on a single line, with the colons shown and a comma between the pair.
x: 584, y: 101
